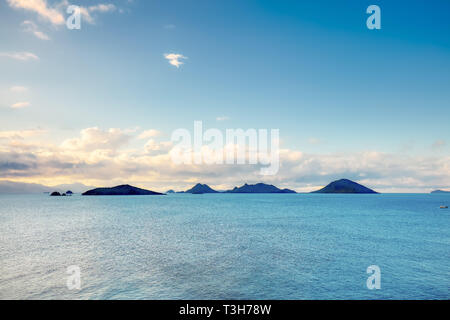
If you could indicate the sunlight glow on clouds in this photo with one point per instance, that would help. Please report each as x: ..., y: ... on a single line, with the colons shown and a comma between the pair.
x: 97, y: 139
x: 41, y: 8
x: 106, y: 157
x: 174, y: 59
x: 149, y: 134
x: 18, y: 135
x: 20, y: 105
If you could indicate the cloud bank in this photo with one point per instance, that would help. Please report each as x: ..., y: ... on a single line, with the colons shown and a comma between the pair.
x: 108, y: 157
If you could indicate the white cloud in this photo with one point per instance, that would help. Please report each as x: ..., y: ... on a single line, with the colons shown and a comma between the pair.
x: 149, y: 134
x: 41, y: 8
x: 22, y: 56
x: 20, y: 105
x: 109, y: 7
x: 163, y: 147
x: 97, y: 139
x: 174, y: 59
x: 222, y: 118
x: 18, y: 89
x: 31, y: 27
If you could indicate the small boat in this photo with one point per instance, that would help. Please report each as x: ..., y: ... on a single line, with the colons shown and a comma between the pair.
x: 444, y: 207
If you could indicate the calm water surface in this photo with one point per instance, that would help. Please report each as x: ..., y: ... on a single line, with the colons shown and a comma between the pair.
x: 225, y: 246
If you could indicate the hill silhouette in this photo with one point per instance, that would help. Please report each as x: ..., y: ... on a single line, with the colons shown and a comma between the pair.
x: 344, y: 186
x: 123, y: 190
x: 201, y: 189
x: 259, y: 188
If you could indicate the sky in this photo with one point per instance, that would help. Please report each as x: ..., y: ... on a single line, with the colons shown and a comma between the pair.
x: 98, y: 105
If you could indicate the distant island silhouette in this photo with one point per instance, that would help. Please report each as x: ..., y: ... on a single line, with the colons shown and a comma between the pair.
x: 440, y: 191
x: 259, y: 188
x: 339, y: 186
x: 344, y: 186
x: 201, y: 189
x: 59, y: 194
x: 123, y: 190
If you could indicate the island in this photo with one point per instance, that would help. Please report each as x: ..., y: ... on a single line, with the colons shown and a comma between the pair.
x: 345, y: 186
x: 439, y: 191
x: 201, y: 189
x: 259, y: 188
x: 123, y: 190
x: 55, y: 194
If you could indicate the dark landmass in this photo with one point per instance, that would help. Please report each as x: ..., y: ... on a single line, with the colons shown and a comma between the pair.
x: 201, y: 189
x: 344, y: 186
x: 170, y: 191
x: 123, y: 190
x: 259, y: 188
x: 55, y: 194
x: 69, y: 193
x: 440, y: 191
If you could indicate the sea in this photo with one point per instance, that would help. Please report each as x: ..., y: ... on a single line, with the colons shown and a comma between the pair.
x: 225, y: 246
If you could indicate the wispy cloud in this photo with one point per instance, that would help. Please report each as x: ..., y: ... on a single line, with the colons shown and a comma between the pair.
x: 41, y: 7
x: 23, y: 56
x: 20, y: 105
x: 109, y: 7
x: 31, y: 27
x: 55, y: 14
x: 174, y: 59
x: 222, y: 118
x: 100, y: 8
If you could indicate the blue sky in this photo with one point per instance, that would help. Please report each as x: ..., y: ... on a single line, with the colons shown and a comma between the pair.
x: 310, y: 68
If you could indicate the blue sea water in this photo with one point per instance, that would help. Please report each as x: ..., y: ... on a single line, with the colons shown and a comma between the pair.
x: 225, y: 246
